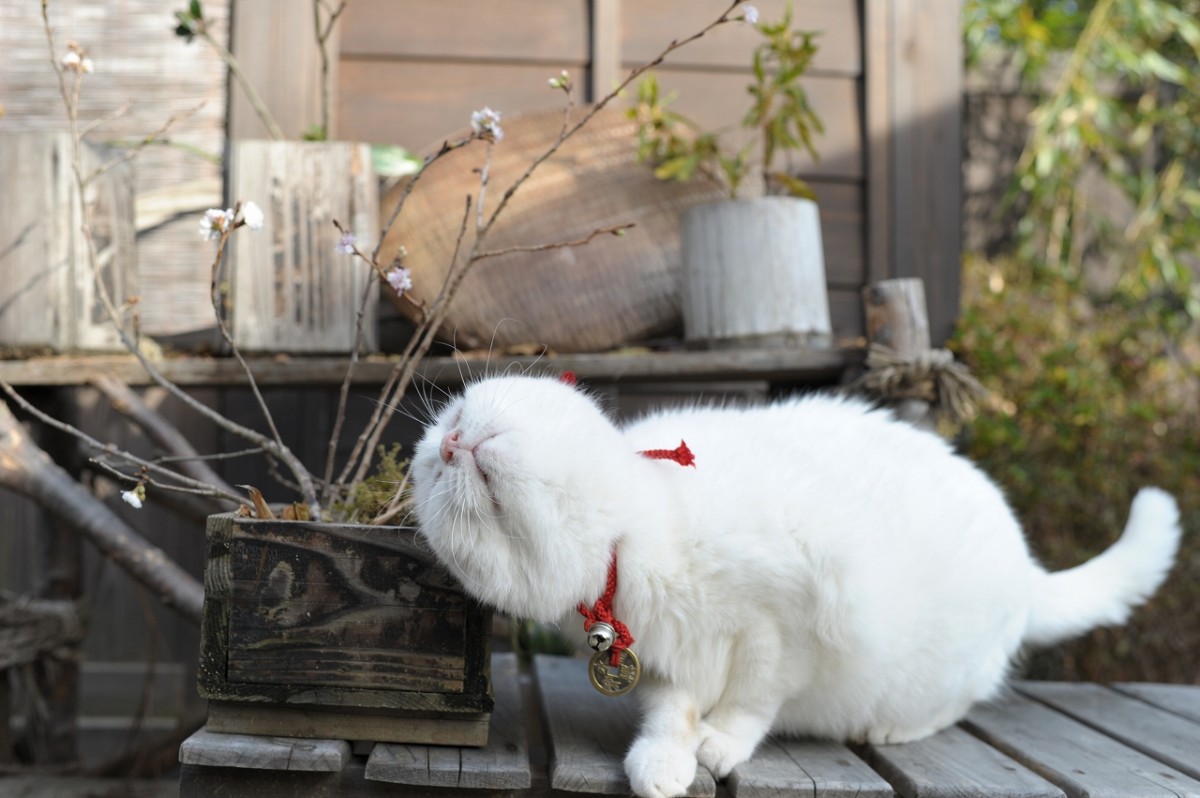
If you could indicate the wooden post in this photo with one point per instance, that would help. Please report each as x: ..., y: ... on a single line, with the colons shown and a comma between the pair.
x: 913, y: 106
x: 275, y: 44
x: 292, y: 291
x: 896, y: 318
x: 48, y: 295
x: 606, y: 47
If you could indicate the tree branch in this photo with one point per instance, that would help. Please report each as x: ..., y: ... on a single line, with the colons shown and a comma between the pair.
x: 28, y: 470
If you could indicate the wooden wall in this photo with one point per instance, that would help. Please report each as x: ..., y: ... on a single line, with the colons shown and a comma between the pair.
x: 140, y: 63
x: 886, y: 82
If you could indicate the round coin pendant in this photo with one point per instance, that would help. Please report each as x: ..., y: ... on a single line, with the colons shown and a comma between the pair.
x: 617, y: 680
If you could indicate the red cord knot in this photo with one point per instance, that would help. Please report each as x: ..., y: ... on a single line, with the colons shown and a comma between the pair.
x: 680, y: 454
x: 568, y: 378
x: 602, y: 612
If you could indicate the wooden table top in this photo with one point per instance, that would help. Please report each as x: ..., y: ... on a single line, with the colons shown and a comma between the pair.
x: 552, y: 734
x: 633, y: 365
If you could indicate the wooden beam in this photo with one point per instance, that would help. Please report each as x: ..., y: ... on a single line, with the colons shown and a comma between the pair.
x: 778, y: 365
x: 878, y: 22
x: 926, y: 153
x: 274, y: 41
x: 606, y: 47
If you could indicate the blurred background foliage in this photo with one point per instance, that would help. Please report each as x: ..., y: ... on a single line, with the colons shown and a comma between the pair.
x: 1086, y: 328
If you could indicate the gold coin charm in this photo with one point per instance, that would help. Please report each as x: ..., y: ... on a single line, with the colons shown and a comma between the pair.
x: 614, y: 681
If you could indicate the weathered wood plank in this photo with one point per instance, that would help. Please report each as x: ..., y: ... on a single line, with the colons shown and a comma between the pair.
x: 1080, y: 760
x: 320, y: 616
x: 1178, y: 698
x: 793, y: 768
x: 925, y: 129
x: 502, y: 764
x: 266, y: 34
x: 628, y: 366
x: 291, y: 290
x: 650, y: 24
x: 49, y: 298
x: 1155, y: 732
x: 404, y: 102
x: 309, y: 721
x: 136, y: 58
x: 433, y: 29
x: 265, y: 753
x: 605, y: 25
x: 953, y: 764
x: 400, y: 764
x: 589, y: 733
x: 877, y: 90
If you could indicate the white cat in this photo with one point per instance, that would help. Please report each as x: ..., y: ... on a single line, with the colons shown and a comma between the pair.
x: 823, y: 570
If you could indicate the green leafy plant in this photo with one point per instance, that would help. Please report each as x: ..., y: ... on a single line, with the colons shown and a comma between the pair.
x: 780, y: 119
x: 1100, y: 377
x: 1093, y: 407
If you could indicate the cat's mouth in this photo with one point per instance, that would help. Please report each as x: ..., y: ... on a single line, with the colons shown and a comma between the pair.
x: 455, y: 451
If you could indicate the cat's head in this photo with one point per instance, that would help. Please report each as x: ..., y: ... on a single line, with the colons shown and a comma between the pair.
x: 515, y: 485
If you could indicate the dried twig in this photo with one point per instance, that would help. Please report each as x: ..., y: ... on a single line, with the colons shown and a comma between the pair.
x: 323, y: 34
x: 195, y: 486
x: 131, y: 153
x: 127, y: 402
x: 615, y: 230
x: 28, y: 470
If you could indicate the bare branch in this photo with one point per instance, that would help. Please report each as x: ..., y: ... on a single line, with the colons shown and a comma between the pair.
x: 62, y: 426
x: 323, y: 35
x: 235, y: 69
x: 28, y: 470
x: 89, y: 128
x: 166, y: 435
x: 131, y: 153
x: 447, y: 147
x: 615, y: 230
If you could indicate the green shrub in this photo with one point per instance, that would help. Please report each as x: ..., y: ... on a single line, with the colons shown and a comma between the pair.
x: 1095, y: 399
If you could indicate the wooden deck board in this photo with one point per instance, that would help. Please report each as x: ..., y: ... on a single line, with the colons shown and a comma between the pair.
x: 1082, y: 761
x: 1180, y: 699
x: 954, y: 764
x: 802, y: 768
x: 1046, y: 740
x: 590, y: 733
x: 503, y: 764
x: 634, y: 366
x: 1156, y: 732
x: 213, y: 749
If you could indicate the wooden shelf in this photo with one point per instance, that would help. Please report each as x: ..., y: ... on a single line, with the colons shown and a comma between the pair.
x: 777, y: 365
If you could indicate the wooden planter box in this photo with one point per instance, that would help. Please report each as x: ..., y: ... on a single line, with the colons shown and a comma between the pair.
x: 339, y: 631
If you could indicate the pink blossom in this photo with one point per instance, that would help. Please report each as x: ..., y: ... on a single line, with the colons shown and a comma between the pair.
x: 400, y: 279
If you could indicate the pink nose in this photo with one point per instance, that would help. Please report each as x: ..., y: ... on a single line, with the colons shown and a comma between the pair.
x: 449, y: 445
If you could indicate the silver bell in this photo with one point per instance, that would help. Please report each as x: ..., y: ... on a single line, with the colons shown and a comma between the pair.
x: 601, y: 636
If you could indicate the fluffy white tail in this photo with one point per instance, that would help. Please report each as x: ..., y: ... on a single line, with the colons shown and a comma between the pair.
x: 1103, y: 590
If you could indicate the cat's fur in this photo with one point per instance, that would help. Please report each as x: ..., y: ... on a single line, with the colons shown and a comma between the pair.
x: 823, y: 570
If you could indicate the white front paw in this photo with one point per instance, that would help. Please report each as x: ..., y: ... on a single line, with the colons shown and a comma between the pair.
x: 659, y: 768
x: 721, y: 752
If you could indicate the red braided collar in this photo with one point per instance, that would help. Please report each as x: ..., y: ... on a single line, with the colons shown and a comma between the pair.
x: 602, y: 611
